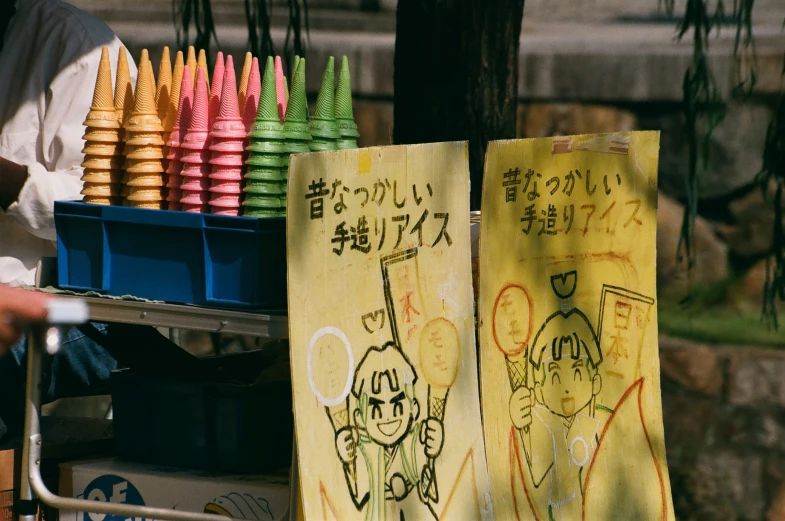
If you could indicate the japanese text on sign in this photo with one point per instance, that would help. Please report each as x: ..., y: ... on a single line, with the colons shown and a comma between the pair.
x: 552, y: 219
x: 370, y: 233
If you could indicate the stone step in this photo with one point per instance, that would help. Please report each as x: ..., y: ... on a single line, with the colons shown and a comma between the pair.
x: 334, y: 15
x: 609, y: 63
x: 765, y: 11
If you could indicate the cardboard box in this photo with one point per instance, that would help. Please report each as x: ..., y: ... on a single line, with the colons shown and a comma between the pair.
x: 63, y: 439
x: 255, y: 498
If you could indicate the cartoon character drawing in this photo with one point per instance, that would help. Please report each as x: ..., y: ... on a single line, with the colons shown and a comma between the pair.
x: 388, y: 446
x: 557, y: 413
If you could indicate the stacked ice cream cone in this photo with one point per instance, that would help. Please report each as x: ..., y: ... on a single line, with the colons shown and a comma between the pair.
x: 186, y: 148
x: 174, y: 97
x: 216, y: 89
x: 242, y: 88
x: 344, y: 115
x: 227, y: 138
x: 265, y: 178
x: 102, y: 142
x: 196, y: 156
x: 163, y: 94
x: 281, y: 89
x: 323, y: 128
x: 123, y: 105
x: 176, y: 138
x: 144, y: 144
x: 251, y: 103
x: 295, y: 125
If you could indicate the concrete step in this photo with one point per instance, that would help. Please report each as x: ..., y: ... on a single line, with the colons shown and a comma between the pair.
x: 334, y: 15
x: 608, y: 62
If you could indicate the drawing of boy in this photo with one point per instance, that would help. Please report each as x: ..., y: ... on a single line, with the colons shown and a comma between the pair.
x: 560, y: 431
x: 392, y: 444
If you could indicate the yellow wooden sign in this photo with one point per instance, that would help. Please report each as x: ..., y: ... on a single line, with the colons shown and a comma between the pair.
x: 381, y: 320
x: 568, y: 329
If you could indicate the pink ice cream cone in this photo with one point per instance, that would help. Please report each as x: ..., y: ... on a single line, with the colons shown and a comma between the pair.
x: 184, y: 109
x: 198, y: 129
x: 179, y: 130
x: 224, y: 173
x: 229, y: 122
x: 228, y: 159
x: 196, y: 208
x: 195, y: 157
x: 228, y: 212
x: 227, y: 138
x: 195, y: 197
x: 220, y: 186
x: 175, y: 165
x: 175, y: 179
x: 280, y: 90
x: 216, y: 89
x: 195, y: 170
x: 252, y: 96
x: 194, y: 183
x: 173, y: 199
x: 236, y: 146
x: 225, y: 204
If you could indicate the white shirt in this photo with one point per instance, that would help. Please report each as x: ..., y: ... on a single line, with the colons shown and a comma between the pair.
x: 48, y: 68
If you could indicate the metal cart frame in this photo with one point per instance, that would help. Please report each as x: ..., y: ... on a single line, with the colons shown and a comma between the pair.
x: 171, y: 316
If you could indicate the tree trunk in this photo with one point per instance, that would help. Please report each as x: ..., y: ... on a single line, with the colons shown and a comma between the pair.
x: 456, y: 74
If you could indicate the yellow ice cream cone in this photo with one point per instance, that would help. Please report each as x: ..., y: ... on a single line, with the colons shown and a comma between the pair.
x: 123, y: 91
x: 202, y: 64
x: 102, y: 113
x: 102, y: 149
x: 243, y: 88
x: 106, y: 201
x: 101, y: 176
x: 145, y: 180
x: 144, y: 166
x: 163, y: 91
x: 101, y: 189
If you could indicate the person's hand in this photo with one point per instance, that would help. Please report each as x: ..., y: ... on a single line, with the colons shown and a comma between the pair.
x: 521, y: 408
x: 432, y: 435
x: 346, y: 444
x: 19, y: 307
x: 12, y: 178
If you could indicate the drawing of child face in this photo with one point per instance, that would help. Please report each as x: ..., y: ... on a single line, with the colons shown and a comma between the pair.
x: 568, y: 385
x: 389, y: 413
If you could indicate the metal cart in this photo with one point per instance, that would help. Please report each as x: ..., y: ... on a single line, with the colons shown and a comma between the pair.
x: 75, y: 310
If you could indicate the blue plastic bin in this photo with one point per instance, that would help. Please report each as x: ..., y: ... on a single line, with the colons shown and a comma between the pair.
x: 178, y: 257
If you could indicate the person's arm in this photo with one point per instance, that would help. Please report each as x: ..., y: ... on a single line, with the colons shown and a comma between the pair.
x: 56, y: 172
x: 19, y: 307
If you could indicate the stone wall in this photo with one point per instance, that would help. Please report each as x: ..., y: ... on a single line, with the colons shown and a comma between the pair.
x: 724, y: 412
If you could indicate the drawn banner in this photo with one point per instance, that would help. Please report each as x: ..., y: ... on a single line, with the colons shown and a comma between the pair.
x: 568, y: 329
x: 381, y: 323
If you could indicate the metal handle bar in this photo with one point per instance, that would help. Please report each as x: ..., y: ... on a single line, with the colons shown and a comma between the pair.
x: 48, y: 337
x: 102, y: 507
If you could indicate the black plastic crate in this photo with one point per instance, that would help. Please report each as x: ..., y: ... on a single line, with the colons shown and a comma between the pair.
x: 228, y: 426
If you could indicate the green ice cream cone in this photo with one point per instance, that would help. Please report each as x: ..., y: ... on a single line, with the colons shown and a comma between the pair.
x: 323, y: 127
x: 295, y: 124
x: 266, y: 124
x: 344, y: 115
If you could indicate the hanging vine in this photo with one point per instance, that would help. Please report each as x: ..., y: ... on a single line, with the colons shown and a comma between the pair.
x: 258, y: 15
x: 703, y: 105
x: 198, y: 13
x: 772, y: 174
x: 704, y: 109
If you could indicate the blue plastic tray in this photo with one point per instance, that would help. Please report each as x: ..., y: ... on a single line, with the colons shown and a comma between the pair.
x: 178, y: 257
